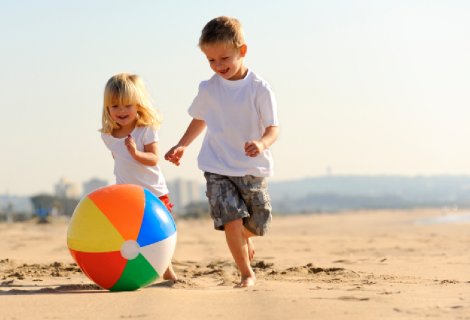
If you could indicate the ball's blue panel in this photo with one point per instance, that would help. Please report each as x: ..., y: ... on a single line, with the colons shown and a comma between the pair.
x: 157, y: 223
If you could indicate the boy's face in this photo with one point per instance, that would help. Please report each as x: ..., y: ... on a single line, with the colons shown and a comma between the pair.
x: 226, y: 60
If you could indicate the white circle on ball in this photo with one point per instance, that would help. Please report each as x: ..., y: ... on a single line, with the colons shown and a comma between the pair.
x: 130, y: 249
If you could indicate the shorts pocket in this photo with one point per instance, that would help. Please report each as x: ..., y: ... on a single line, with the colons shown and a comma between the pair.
x: 261, y: 198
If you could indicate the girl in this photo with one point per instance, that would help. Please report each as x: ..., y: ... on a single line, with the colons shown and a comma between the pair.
x: 129, y: 130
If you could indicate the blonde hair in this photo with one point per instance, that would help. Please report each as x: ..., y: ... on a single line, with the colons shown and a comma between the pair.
x: 222, y: 30
x: 125, y: 89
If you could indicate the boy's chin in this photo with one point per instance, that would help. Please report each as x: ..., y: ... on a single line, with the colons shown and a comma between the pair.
x: 226, y: 76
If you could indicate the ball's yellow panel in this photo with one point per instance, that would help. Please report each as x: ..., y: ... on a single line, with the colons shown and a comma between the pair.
x: 90, y: 230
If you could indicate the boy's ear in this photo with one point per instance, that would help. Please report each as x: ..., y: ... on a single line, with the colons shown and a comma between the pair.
x: 243, y: 50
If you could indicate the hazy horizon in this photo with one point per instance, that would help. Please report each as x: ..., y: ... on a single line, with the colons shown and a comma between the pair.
x: 363, y: 87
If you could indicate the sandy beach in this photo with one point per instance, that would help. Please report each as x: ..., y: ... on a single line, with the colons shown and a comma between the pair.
x: 355, y: 265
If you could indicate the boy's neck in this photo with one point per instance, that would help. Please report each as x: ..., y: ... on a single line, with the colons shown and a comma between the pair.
x: 240, y: 75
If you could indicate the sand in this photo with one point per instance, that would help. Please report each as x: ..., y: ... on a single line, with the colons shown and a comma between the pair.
x: 354, y: 265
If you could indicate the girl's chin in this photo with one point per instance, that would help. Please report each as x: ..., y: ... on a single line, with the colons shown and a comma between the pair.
x: 125, y: 123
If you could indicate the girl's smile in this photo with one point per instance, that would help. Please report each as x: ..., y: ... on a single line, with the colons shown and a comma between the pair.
x: 124, y: 115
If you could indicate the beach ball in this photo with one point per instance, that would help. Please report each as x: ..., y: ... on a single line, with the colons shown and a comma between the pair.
x: 122, y: 237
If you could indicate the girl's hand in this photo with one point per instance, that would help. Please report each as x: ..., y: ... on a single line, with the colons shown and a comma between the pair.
x: 130, y: 145
x: 254, y: 148
x: 175, y: 154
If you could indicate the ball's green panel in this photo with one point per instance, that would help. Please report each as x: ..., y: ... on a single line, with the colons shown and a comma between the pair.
x: 138, y: 273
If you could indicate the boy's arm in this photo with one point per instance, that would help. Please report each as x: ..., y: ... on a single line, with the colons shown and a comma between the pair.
x: 148, y: 157
x: 194, y: 129
x: 255, y: 147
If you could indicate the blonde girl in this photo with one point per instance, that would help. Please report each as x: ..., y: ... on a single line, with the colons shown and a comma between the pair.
x: 130, y: 131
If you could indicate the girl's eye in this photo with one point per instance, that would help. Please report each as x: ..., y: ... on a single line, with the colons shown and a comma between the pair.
x: 114, y: 107
x: 224, y: 58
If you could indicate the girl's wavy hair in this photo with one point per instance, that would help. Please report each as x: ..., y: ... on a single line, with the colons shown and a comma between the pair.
x: 126, y: 89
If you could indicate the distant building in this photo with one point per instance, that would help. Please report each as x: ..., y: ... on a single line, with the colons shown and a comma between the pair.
x: 66, y: 189
x: 183, y: 192
x: 93, y: 184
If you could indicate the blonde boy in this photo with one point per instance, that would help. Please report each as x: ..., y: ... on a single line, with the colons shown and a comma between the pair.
x: 238, y: 109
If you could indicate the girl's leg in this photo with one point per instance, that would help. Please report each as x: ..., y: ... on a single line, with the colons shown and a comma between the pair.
x: 170, y: 273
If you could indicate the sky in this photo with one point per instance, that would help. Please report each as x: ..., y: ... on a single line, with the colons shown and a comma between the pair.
x: 363, y: 87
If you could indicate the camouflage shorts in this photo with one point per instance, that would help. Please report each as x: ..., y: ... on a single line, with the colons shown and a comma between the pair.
x: 232, y: 198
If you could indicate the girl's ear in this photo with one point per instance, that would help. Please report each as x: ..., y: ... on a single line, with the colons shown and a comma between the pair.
x: 243, y: 50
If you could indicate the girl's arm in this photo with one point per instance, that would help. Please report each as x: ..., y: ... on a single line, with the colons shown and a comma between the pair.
x: 255, y: 147
x: 194, y: 129
x: 148, y: 157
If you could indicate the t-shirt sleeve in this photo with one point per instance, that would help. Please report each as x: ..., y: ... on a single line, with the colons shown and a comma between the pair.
x: 106, y: 139
x: 267, y: 107
x: 150, y: 135
x: 197, y: 109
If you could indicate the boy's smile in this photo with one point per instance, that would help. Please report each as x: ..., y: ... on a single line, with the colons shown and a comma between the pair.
x: 226, y: 60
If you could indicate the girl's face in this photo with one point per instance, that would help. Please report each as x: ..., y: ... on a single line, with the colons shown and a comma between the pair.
x: 124, y: 115
x: 226, y: 60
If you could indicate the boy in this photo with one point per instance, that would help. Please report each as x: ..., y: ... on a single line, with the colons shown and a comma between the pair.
x: 239, y: 110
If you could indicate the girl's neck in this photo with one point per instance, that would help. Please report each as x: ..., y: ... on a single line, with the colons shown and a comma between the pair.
x: 123, y: 132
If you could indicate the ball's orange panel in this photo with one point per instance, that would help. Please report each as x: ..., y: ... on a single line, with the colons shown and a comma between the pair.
x: 123, y: 204
x: 91, y: 231
x: 104, y: 268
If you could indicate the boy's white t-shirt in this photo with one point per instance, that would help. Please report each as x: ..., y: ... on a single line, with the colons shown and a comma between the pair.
x: 235, y: 112
x: 128, y: 170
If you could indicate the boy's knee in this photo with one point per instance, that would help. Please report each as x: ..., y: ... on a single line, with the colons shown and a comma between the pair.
x: 233, y: 225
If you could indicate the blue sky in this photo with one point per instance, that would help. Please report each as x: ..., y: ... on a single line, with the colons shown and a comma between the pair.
x: 363, y: 87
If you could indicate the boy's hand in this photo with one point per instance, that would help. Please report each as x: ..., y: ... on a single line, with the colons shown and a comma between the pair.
x: 130, y: 145
x: 175, y: 154
x: 254, y: 148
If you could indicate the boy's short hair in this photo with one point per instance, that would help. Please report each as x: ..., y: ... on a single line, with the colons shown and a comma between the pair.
x: 222, y: 30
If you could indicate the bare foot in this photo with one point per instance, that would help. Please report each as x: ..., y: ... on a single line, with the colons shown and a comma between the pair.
x: 251, y: 248
x: 170, y: 274
x: 247, y: 282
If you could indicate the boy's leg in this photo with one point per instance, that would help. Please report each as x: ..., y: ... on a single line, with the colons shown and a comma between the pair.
x: 228, y: 210
x: 253, y: 191
x: 251, y: 246
x: 238, y: 245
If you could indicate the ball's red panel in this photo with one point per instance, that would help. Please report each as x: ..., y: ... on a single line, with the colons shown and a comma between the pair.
x: 104, y: 268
